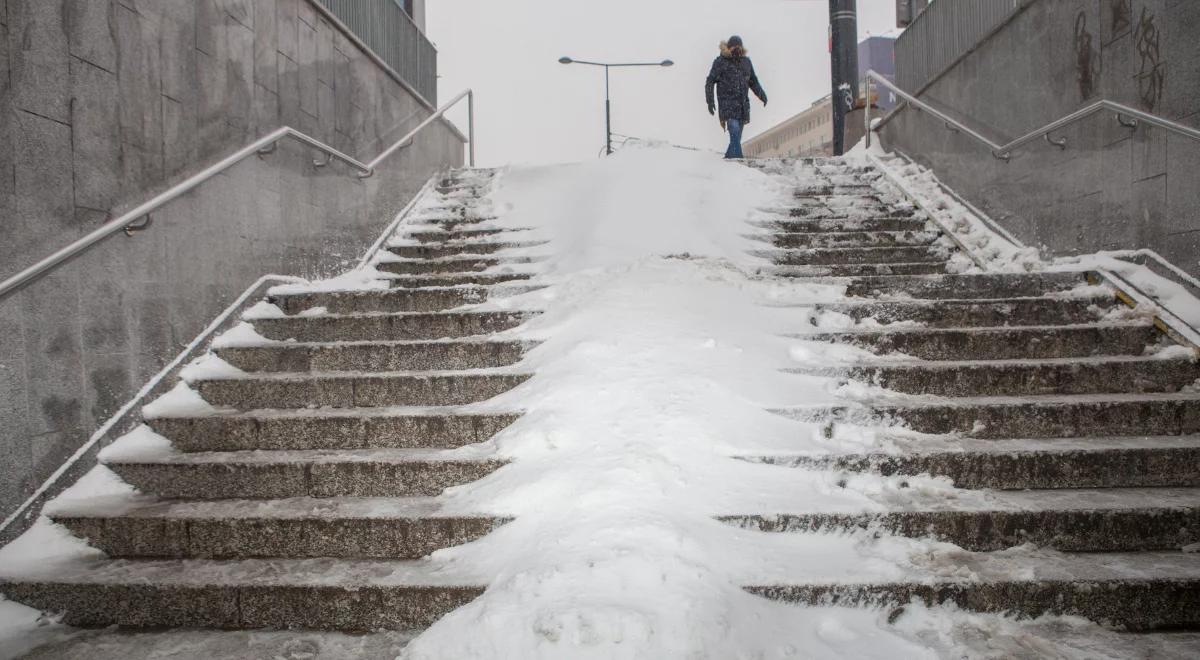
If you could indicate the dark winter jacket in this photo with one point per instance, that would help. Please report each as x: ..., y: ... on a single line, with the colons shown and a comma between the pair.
x: 734, y: 79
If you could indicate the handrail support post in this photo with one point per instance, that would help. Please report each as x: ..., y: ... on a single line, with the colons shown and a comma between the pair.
x: 471, y: 125
x: 867, y: 112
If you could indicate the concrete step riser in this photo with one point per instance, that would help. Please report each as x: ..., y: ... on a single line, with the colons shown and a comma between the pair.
x: 1068, y: 531
x: 416, y: 282
x: 848, y: 224
x: 1035, y: 420
x: 380, y: 301
x: 860, y: 270
x: 249, y: 538
x: 426, y: 356
x: 965, y: 286
x: 1133, y: 604
x: 1009, y: 344
x: 301, y: 479
x: 853, y: 240
x: 437, y: 236
x: 388, y: 328
x: 1028, y: 312
x: 1111, y: 468
x: 1137, y: 377
x: 833, y: 256
x: 355, y: 391
x: 449, y: 249
x: 201, y: 434
x: 361, y: 608
x: 825, y: 212
x: 434, y: 267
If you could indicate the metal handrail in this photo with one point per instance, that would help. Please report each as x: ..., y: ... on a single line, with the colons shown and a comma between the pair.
x: 137, y: 219
x: 1125, y: 115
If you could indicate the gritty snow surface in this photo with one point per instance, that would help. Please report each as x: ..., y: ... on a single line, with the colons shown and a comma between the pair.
x: 661, y: 355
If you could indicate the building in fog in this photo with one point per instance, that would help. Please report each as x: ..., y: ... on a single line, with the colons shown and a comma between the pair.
x: 809, y: 133
x: 879, y: 54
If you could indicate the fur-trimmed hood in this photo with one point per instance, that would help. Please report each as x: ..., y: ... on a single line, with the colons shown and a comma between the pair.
x: 726, y: 52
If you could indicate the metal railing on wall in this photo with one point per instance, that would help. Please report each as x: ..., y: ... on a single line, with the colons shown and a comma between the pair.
x: 388, y: 30
x: 945, y: 32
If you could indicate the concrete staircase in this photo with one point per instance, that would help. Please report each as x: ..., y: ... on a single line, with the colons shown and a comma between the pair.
x: 1076, y: 445
x: 309, y: 499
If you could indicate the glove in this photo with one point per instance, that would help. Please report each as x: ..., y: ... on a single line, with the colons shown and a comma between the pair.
x: 764, y: 103
x: 712, y: 109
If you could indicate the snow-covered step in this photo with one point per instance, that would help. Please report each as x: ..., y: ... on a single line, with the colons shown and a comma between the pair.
x: 458, y: 249
x: 449, y: 265
x: 514, y: 280
x: 1139, y: 591
x: 1026, y: 417
x: 349, y: 528
x: 861, y: 270
x: 300, y: 473
x: 857, y: 255
x: 332, y: 429
x: 1064, y: 341
x: 853, y: 239
x: 1083, y: 520
x: 378, y: 356
x: 861, y: 198
x: 325, y: 594
x: 966, y: 286
x: 969, y: 313
x: 274, y: 391
x: 1098, y: 375
x: 447, y: 221
x: 1090, y: 462
x: 441, y: 236
x: 388, y: 327
x: 381, y: 300
x: 795, y: 225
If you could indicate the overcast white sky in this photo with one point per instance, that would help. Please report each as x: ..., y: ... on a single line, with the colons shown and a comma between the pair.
x: 531, y: 109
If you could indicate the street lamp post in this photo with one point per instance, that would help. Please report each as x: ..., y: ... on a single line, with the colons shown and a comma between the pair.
x: 607, y: 102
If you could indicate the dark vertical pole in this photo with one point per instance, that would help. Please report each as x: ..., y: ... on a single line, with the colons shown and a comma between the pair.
x: 843, y: 57
x: 607, y: 116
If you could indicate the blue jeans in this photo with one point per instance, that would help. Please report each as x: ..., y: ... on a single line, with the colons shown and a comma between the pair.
x: 735, y: 138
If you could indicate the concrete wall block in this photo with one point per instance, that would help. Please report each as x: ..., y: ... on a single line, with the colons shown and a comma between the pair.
x: 39, y: 59
x: 91, y: 31
x: 139, y: 80
x: 180, y: 137
x: 326, y: 56
x: 342, y: 93
x: 266, y: 111
x: 177, y: 50
x: 308, y: 69
x: 266, y: 44
x: 109, y: 381
x: 53, y: 326
x: 44, y: 180
x: 289, y: 91
x: 95, y: 138
x: 287, y: 25
x: 213, y: 74
x: 306, y: 13
x: 326, y: 110
x: 1148, y: 214
x: 15, y: 458
x: 240, y: 78
x: 1148, y: 61
x: 6, y: 145
x: 211, y: 29
x: 1183, y: 187
x: 241, y: 11
x: 1149, y: 152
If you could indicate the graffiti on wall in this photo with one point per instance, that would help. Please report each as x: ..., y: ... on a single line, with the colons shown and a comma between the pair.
x: 1151, y: 74
x: 1120, y: 17
x: 1086, y: 59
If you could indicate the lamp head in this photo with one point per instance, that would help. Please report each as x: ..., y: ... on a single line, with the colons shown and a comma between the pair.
x: 667, y: 63
x: 565, y: 60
